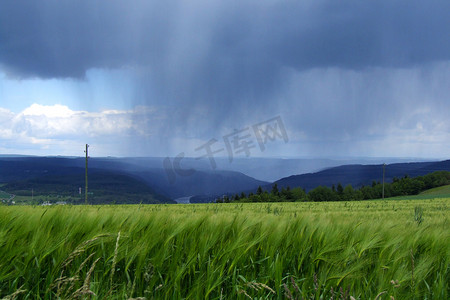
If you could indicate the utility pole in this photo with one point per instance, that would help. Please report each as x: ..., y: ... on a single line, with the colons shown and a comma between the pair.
x: 86, y: 191
x: 384, y: 166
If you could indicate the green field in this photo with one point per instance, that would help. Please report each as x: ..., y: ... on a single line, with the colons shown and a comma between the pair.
x: 439, y: 191
x: 4, y: 196
x: 306, y: 250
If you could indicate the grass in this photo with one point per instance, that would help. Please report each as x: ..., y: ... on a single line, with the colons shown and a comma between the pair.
x: 227, y: 251
x: 4, y: 196
x: 434, y: 193
x: 439, y: 191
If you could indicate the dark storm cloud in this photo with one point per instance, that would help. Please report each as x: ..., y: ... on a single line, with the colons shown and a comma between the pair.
x: 243, y: 40
x: 333, y: 69
x: 66, y: 38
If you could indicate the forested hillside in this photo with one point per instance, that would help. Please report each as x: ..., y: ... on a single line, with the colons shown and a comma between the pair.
x: 398, y: 187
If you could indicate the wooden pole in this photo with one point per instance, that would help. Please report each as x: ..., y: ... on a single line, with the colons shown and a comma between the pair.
x: 86, y: 191
x: 384, y: 167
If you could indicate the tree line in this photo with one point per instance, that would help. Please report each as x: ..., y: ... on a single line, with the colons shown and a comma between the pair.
x: 404, y: 186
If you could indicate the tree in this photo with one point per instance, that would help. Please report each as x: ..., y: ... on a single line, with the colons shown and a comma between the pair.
x: 259, y: 191
x: 275, y: 191
x: 348, y: 193
x: 287, y: 194
x: 322, y: 193
x: 340, y: 189
x: 299, y: 194
x: 254, y: 198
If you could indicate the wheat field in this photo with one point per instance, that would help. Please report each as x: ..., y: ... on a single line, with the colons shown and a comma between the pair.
x: 392, y: 249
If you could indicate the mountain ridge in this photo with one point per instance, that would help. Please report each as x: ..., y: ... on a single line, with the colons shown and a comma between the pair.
x: 358, y: 174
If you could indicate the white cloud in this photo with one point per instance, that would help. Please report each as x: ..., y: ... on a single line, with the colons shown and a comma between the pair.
x: 56, y: 121
x: 53, y: 111
x: 57, y: 128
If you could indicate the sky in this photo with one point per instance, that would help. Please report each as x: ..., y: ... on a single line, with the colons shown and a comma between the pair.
x: 163, y: 78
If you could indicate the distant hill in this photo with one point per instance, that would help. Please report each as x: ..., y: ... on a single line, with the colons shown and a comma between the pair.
x: 105, y: 188
x: 20, y: 168
x: 264, y: 169
x: 442, y: 191
x: 210, y: 183
x: 142, y: 170
x: 57, y: 176
x: 148, y: 176
x: 358, y: 175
